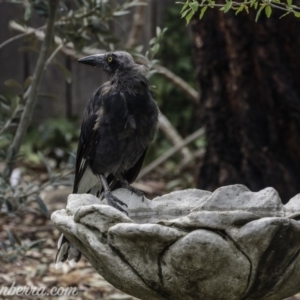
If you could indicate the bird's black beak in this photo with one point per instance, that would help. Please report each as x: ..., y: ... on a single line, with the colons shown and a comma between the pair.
x: 97, y: 60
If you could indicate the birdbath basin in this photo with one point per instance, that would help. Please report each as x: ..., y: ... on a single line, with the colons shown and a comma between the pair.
x: 191, y: 244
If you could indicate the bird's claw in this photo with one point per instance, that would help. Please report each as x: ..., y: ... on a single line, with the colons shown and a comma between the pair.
x: 139, y: 193
x: 133, y: 190
x: 136, y: 191
x: 114, y: 202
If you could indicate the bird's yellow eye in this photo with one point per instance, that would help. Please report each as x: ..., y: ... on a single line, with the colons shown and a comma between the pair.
x: 109, y: 59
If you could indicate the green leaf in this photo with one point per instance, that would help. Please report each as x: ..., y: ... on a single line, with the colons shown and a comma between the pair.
x: 139, y: 48
x: 185, y: 13
x: 172, y: 184
x: 186, y: 4
x: 268, y: 11
x: 13, y: 83
x: 158, y: 31
x: 36, y: 244
x: 289, y: 2
x: 211, y: 3
x: 189, y: 16
x: 296, y: 14
x: 259, y: 12
x: 200, y: 142
x: 194, y: 6
x: 121, y: 13
x: 5, y: 107
x: 227, y: 6
x: 42, y: 206
x: 153, y: 41
x: 202, y: 12
x: 154, y: 49
x: 66, y: 73
x: 164, y: 30
x: 239, y: 9
x: 27, y: 13
x: 3, y: 99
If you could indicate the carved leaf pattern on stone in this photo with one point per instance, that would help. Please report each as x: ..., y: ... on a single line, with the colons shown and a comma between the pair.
x: 228, y: 245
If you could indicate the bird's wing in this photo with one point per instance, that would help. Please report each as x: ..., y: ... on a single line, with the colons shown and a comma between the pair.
x: 130, y: 175
x: 88, y: 138
x: 116, y: 109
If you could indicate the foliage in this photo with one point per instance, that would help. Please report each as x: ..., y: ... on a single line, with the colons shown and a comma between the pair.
x: 83, y: 26
x: 170, y: 100
x: 83, y: 23
x: 55, y: 138
x: 15, y: 247
x: 21, y: 196
x: 190, y: 7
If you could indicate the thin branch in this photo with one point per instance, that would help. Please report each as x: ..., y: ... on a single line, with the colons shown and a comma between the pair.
x: 172, y: 135
x: 171, y: 152
x: 64, y: 20
x: 191, y: 93
x: 32, y: 95
x: 8, y: 123
x: 59, y: 47
x: 38, y: 33
x: 289, y: 8
x: 6, y: 126
x: 196, y: 155
x: 137, y: 24
x: 68, y: 49
x: 48, y: 183
x: 282, y: 6
x: 16, y: 37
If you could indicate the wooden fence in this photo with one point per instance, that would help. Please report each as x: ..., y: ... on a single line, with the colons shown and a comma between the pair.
x: 70, y: 99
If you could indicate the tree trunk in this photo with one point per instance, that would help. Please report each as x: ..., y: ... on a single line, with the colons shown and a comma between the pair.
x: 249, y: 75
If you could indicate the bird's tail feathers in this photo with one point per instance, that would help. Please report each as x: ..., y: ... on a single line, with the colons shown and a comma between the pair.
x: 66, y: 252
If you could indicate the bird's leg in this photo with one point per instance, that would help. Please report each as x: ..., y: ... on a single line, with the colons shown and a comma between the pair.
x: 111, y: 199
x: 126, y: 185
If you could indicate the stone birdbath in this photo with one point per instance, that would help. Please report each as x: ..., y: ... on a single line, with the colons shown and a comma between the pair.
x: 232, y: 244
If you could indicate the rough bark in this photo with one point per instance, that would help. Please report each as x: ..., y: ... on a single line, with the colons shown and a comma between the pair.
x: 250, y: 101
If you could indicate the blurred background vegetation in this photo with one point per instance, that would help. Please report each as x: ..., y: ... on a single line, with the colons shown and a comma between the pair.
x: 227, y: 87
x: 64, y: 90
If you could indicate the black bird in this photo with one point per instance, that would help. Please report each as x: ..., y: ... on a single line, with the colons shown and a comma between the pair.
x: 119, y: 122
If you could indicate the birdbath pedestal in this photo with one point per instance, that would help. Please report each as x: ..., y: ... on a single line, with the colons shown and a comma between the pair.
x: 232, y: 244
